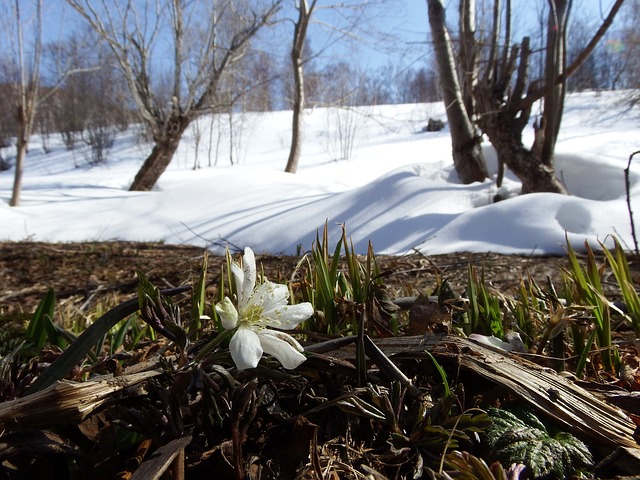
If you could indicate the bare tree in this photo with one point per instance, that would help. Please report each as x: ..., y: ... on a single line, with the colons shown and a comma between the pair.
x: 95, y: 96
x: 257, y: 74
x: 587, y: 76
x: 69, y: 114
x: 379, y: 87
x: 25, y: 83
x: 502, y: 93
x: 313, y: 81
x: 24, y: 80
x: 352, y: 24
x: 345, y: 93
x: 414, y: 85
x: 197, y: 130
x: 305, y: 10
x: 467, y: 152
x: 206, y: 41
x: 505, y: 95
x: 630, y: 48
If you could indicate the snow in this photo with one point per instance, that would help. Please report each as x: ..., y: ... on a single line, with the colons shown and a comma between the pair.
x: 398, y: 189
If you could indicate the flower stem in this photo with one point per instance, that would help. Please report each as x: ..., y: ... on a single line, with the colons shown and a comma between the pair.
x: 217, y: 340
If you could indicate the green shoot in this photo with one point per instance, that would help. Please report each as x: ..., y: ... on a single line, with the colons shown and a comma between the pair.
x: 588, y: 290
x: 620, y: 267
x: 198, y: 299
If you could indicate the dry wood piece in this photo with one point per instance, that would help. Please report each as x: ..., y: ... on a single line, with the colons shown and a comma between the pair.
x: 64, y: 402
x: 623, y: 460
x: 596, y: 422
x: 169, y: 455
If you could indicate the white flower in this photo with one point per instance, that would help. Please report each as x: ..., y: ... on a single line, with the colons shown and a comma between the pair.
x: 259, y: 307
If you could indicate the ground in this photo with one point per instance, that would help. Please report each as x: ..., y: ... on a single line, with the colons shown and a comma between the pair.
x: 251, y: 431
x: 85, y: 274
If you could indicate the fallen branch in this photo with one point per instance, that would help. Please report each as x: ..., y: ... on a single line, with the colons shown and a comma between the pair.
x: 64, y: 402
x: 594, y: 421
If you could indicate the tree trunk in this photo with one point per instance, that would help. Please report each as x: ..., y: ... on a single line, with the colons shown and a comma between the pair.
x: 160, y: 157
x: 299, y: 36
x: 529, y: 168
x: 27, y: 96
x: 467, y: 153
x: 506, y: 137
x: 556, y: 64
x: 468, y: 53
x: 21, y: 153
x: 298, y: 110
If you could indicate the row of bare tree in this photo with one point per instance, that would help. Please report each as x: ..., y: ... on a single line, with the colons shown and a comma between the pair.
x: 165, y: 63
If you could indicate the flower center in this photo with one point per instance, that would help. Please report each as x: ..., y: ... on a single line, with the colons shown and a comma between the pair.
x: 253, y: 315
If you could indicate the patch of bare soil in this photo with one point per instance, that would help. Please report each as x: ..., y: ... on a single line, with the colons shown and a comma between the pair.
x: 327, y: 419
x: 84, y: 274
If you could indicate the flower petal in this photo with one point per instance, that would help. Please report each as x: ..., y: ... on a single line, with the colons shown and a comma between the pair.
x: 269, y: 295
x: 282, y: 346
x: 228, y: 313
x: 288, y: 317
x: 245, y: 348
x: 238, y: 278
x: 249, y: 279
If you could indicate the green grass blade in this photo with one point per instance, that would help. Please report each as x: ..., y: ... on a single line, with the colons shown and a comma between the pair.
x: 620, y: 267
x: 590, y: 293
x: 326, y: 280
x: 582, y: 361
x: 578, y: 275
x: 198, y: 298
x: 602, y: 312
x: 40, y: 326
x: 335, y: 259
x: 592, y: 269
x: 118, y: 338
x: 472, y: 294
x: 443, y: 374
x: 58, y: 336
x: 358, y: 283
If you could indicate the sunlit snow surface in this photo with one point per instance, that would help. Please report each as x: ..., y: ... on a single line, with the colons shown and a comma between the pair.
x: 398, y: 190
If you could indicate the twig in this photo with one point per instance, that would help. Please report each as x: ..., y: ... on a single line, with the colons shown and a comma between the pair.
x: 626, y: 184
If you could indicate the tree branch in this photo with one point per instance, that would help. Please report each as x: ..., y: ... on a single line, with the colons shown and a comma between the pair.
x: 538, y: 93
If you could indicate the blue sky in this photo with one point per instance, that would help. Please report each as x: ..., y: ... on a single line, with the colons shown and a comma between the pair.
x: 406, y: 20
